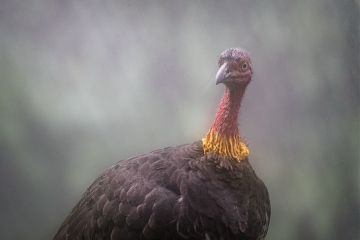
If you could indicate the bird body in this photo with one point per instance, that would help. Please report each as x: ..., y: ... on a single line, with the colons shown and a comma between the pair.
x: 203, y: 190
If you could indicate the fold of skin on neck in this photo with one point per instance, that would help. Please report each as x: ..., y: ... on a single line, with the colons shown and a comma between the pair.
x: 223, y: 137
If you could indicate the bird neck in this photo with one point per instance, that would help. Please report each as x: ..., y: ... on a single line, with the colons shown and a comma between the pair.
x: 223, y: 137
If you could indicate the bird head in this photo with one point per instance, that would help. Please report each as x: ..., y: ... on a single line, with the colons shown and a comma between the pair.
x: 234, y: 67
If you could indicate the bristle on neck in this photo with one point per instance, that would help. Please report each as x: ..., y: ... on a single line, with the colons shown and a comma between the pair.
x: 224, y: 146
x: 223, y: 138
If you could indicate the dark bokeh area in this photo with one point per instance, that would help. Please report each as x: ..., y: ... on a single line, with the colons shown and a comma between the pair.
x: 84, y: 84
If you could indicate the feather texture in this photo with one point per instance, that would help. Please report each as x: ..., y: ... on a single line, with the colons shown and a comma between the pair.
x: 173, y: 193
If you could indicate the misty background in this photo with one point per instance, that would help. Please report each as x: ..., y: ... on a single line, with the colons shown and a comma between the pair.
x: 84, y: 84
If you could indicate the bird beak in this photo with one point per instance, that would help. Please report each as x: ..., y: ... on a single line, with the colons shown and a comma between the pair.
x: 221, y: 75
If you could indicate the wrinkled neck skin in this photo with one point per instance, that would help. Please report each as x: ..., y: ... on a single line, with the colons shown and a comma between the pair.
x: 223, y: 137
x: 225, y: 122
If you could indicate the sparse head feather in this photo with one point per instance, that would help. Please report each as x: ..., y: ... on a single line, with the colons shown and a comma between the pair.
x: 232, y: 54
x: 234, y: 67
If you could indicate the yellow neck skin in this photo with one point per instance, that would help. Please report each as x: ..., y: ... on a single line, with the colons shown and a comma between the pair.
x: 225, y: 146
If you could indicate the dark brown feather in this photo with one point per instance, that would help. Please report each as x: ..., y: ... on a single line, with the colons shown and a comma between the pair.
x: 173, y: 193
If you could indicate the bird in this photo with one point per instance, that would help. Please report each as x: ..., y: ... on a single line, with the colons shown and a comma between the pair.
x: 203, y: 190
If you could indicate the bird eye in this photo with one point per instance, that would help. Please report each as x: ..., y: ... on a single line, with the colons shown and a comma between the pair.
x: 244, y: 66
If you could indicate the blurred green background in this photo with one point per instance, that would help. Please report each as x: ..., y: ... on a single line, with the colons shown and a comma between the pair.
x: 84, y: 84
